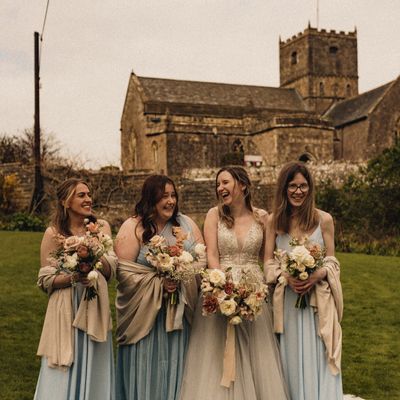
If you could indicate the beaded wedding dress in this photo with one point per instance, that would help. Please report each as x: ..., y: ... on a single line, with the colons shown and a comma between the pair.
x: 258, y: 372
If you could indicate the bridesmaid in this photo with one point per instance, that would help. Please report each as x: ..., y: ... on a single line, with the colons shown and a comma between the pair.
x: 310, y: 338
x: 76, y: 344
x: 152, y: 343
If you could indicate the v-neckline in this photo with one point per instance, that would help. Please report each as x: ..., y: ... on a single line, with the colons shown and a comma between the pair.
x: 240, y: 248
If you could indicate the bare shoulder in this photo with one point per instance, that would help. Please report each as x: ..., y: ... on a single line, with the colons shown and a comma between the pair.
x: 212, y: 214
x: 190, y: 220
x: 104, y: 225
x: 326, y: 219
x: 50, y: 232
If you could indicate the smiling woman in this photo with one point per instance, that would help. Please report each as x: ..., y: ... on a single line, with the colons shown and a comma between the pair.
x: 151, y: 351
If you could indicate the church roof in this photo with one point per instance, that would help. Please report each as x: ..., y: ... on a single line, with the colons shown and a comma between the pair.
x: 194, y: 93
x: 356, y: 108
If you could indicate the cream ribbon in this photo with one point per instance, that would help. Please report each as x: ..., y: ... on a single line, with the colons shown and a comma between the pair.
x: 229, y: 366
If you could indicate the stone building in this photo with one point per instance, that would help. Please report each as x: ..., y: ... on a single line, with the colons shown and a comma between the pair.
x: 316, y: 114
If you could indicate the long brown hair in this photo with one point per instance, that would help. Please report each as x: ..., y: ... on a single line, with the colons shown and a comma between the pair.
x: 152, y: 192
x: 65, y: 192
x: 239, y: 175
x: 308, y: 215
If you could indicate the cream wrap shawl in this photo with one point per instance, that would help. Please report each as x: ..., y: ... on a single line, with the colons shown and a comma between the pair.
x: 327, y: 300
x: 139, y: 299
x: 93, y: 317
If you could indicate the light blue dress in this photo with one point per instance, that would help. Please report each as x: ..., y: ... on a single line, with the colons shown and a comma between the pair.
x: 302, y: 351
x: 152, y: 368
x: 91, y: 376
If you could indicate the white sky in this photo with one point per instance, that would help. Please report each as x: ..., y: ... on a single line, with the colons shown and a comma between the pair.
x: 90, y: 48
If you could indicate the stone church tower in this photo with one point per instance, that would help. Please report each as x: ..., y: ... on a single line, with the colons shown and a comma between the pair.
x: 321, y: 65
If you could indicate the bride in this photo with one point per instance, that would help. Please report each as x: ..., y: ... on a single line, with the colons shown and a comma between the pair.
x: 234, y: 234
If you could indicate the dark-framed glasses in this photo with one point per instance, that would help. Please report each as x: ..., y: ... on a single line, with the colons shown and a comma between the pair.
x: 292, y: 187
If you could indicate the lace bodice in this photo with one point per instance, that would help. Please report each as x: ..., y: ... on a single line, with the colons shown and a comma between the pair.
x: 231, y: 253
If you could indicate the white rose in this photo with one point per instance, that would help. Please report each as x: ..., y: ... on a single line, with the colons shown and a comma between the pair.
x: 228, y: 307
x: 235, y: 320
x: 217, y: 277
x: 282, y: 280
x: 185, y: 257
x: 157, y: 241
x: 301, y: 268
x: 71, y: 261
x: 299, y: 254
x: 206, y: 287
x: 200, y: 249
x: 309, y: 262
x: 252, y: 301
x: 93, y: 276
x: 165, y: 261
x: 303, y: 276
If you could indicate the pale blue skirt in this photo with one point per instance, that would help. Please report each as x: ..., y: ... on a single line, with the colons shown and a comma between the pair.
x: 152, y: 368
x: 303, y: 355
x: 91, y: 376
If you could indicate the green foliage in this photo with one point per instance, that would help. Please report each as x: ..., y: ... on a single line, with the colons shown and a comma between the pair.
x: 371, y: 349
x: 24, y: 222
x: 367, y: 207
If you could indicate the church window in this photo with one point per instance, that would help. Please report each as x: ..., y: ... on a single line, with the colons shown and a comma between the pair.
x: 293, y: 58
x: 237, y: 146
x: 348, y: 90
x: 154, y: 148
x: 333, y: 50
x: 305, y: 158
x: 335, y: 90
x: 321, y: 89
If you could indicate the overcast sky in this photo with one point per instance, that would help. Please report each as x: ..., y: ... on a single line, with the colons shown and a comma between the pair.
x: 90, y: 47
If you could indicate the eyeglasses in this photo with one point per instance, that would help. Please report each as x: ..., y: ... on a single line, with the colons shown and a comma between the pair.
x: 292, y: 187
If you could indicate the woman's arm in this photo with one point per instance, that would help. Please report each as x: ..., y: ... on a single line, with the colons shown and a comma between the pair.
x: 48, y: 246
x: 105, y: 228
x: 127, y: 244
x: 211, y: 237
x: 270, y: 235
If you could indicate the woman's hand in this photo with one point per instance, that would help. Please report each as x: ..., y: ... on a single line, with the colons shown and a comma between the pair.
x: 302, y: 287
x: 170, y: 285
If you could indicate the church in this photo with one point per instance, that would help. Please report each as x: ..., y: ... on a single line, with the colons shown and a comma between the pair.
x: 317, y: 114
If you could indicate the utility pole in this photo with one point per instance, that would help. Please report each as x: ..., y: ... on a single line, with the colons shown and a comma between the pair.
x: 38, y: 192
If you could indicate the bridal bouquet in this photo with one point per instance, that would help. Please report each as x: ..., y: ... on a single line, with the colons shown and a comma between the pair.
x: 305, y: 258
x: 172, y: 261
x: 236, y: 293
x: 82, y: 254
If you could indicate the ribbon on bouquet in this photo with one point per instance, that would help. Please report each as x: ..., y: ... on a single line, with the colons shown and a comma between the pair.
x: 174, y: 318
x: 229, y: 366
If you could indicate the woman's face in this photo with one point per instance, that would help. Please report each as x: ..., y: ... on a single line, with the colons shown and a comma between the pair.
x: 297, y: 190
x: 81, y: 201
x: 228, y: 189
x: 165, y: 207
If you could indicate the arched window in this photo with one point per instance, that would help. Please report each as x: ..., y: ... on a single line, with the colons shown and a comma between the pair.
x: 348, y: 90
x: 335, y: 90
x: 154, y: 149
x: 321, y: 89
x: 293, y: 58
x: 237, y: 146
x: 305, y: 157
x: 333, y: 50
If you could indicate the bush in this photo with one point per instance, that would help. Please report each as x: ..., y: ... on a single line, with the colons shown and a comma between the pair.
x: 366, y: 208
x: 24, y: 222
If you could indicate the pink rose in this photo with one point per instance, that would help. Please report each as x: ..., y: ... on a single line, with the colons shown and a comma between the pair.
x: 72, y: 243
x: 83, y: 251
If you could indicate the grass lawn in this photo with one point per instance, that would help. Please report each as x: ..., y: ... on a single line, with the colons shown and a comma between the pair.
x: 371, y: 345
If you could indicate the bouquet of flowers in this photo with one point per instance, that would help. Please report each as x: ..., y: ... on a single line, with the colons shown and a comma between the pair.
x: 237, y: 293
x: 172, y: 261
x: 305, y: 258
x: 82, y: 254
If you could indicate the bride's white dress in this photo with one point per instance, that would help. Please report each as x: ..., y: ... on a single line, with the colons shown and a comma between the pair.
x: 258, y: 369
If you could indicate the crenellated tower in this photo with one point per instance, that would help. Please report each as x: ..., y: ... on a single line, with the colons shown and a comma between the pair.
x: 321, y: 65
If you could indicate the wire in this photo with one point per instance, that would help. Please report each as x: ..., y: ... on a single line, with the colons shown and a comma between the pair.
x: 41, y: 35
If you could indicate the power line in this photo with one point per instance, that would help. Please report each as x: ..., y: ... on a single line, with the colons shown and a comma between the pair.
x: 41, y: 35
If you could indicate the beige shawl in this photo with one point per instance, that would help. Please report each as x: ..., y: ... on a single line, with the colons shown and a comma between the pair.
x: 93, y: 317
x: 327, y: 299
x: 139, y: 299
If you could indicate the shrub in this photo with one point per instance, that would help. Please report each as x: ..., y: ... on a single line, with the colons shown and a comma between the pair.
x: 24, y: 222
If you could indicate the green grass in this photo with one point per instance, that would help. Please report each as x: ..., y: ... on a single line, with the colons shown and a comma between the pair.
x: 371, y: 325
